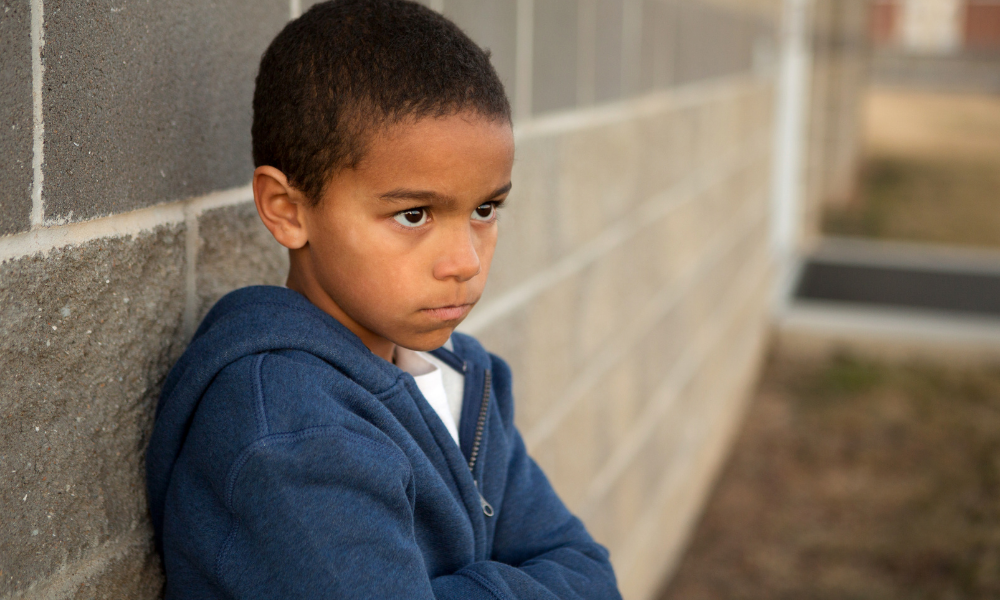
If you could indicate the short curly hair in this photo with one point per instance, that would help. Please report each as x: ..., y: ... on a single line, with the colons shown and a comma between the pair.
x: 347, y: 69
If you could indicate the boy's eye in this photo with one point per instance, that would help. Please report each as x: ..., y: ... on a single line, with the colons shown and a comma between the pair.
x: 485, y: 212
x: 415, y: 217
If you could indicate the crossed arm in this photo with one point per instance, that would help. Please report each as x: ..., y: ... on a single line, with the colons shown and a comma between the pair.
x: 305, y: 530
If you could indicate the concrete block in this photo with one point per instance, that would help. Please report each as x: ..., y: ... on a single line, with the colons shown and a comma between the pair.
x: 614, y: 291
x: 712, y: 41
x: 15, y: 117
x: 616, y: 401
x: 709, y: 122
x: 505, y: 338
x: 550, y: 338
x: 527, y: 221
x: 603, y: 287
x: 554, y: 71
x: 570, y: 455
x: 148, y: 102
x: 601, y: 527
x: 608, y: 51
x: 493, y: 25
x: 690, y: 61
x: 658, y: 43
x: 597, y: 178
x: 87, y: 335
x: 674, y: 241
x: 668, y: 139
x: 235, y: 250
x: 624, y: 503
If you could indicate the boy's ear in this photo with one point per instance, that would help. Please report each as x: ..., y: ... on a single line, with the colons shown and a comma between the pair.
x: 280, y: 207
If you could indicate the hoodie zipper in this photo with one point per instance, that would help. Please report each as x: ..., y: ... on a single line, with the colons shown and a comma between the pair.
x: 477, y: 441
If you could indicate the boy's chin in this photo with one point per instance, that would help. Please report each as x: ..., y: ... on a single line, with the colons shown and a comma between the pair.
x: 427, y: 341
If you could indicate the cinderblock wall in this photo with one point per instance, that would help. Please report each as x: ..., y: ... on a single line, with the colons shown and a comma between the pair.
x: 629, y: 289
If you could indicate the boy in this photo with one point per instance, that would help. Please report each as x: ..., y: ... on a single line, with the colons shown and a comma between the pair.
x: 334, y: 439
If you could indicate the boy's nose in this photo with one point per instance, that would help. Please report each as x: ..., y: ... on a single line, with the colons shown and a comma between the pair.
x: 459, y: 260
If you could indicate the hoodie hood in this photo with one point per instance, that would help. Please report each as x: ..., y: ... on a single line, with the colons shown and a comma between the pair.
x: 245, y: 322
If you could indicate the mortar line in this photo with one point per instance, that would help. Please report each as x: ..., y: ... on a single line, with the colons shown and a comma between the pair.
x: 38, y: 123
x: 45, y: 239
x: 662, y: 303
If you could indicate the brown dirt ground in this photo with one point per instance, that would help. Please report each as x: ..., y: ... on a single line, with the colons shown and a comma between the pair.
x: 853, y: 479
x: 930, y: 173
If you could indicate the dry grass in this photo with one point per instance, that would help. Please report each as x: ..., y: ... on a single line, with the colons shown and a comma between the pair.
x: 856, y: 480
x: 931, y: 171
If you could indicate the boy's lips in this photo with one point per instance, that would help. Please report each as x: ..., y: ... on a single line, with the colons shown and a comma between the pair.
x: 449, y: 313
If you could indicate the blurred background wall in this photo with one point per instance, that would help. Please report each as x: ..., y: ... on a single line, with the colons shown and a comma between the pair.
x: 670, y: 158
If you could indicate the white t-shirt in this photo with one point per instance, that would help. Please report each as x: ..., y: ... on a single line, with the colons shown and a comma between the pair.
x: 441, y: 385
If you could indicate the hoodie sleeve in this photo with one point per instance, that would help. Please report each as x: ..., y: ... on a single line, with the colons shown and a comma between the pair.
x: 347, y: 533
x: 304, y: 530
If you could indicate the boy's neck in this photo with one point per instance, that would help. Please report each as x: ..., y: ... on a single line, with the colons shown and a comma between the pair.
x: 378, y: 345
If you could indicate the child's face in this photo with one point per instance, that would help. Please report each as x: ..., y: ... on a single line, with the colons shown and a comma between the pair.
x: 399, y: 248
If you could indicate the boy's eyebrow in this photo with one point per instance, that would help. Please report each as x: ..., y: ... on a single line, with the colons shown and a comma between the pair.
x: 401, y: 194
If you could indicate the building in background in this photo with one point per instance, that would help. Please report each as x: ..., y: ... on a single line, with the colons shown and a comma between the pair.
x: 937, y: 44
x: 631, y: 291
x: 937, y: 26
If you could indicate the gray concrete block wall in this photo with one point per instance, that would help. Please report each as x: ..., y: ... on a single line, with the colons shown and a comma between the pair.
x: 635, y: 239
x: 88, y: 333
x: 556, y: 55
x: 622, y: 48
x: 608, y: 47
x: 235, y: 250
x: 148, y: 102
x: 493, y: 24
x: 16, y: 110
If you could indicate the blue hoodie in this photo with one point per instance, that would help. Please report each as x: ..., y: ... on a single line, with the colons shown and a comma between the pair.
x: 288, y: 461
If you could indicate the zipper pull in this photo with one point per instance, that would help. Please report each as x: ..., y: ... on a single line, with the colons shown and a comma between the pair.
x: 487, y: 509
